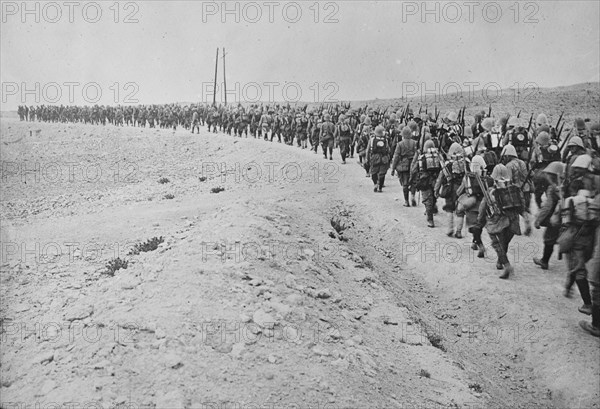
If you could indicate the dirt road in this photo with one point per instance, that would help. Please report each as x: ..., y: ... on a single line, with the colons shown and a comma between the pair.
x: 252, y: 298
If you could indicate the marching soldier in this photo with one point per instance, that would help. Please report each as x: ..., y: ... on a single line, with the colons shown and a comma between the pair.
x: 326, y: 136
x: 424, y: 170
x: 580, y: 223
x: 401, y: 163
x: 553, y: 173
x: 447, y: 184
x: 502, y: 224
x: 519, y: 177
x: 378, y: 156
x: 344, y: 133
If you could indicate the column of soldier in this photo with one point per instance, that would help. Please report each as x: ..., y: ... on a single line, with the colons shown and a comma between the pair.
x: 485, y: 173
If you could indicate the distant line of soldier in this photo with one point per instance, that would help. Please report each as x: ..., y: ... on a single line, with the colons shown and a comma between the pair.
x: 486, y: 172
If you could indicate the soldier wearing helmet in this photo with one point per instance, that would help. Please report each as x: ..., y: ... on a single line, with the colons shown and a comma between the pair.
x: 581, y: 225
x: 423, y: 175
x: 378, y: 157
x: 583, y: 132
x: 401, y: 163
x: 447, y: 184
x: 553, y: 174
x: 575, y: 148
x: 519, y: 177
x: 344, y: 135
x: 477, y: 127
x: 314, y: 129
x: 326, y: 136
x: 501, y: 224
x: 470, y: 196
x: 544, y: 152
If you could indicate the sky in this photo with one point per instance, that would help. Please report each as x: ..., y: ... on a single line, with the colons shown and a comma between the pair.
x: 164, y: 51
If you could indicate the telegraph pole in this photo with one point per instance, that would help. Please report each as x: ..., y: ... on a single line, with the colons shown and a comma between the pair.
x: 224, y: 78
x: 215, y: 87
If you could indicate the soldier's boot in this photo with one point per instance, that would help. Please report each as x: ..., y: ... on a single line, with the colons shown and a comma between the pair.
x: 527, y: 219
x: 406, y: 194
x: 593, y: 327
x: 413, y: 202
x: 481, y: 251
x: 584, y: 290
x: 429, y: 216
x: 450, y: 232
x: 459, y: 225
x: 569, y: 286
x: 508, y: 270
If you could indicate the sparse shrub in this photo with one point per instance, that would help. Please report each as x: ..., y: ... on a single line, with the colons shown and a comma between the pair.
x: 217, y: 189
x: 436, y: 341
x: 337, y: 225
x: 148, y: 245
x: 162, y: 181
x: 169, y: 196
x: 475, y: 387
x: 114, y: 265
x: 424, y: 373
x: 202, y: 178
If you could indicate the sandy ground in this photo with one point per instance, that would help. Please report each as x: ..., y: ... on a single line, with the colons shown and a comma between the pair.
x: 252, y: 299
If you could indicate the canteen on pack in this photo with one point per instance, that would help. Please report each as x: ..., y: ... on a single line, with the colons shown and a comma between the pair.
x: 430, y: 160
x: 509, y: 198
x: 580, y: 209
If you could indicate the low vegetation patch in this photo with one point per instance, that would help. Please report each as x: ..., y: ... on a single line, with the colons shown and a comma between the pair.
x: 115, y: 265
x: 217, y: 189
x: 169, y: 196
x: 475, y: 387
x: 148, y: 245
x: 162, y: 181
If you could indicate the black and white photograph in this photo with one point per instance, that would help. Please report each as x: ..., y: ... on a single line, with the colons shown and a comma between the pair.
x: 302, y: 204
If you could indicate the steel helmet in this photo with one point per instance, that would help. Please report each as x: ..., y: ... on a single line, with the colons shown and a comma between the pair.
x: 368, y: 120
x: 488, y: 124
x: 513, y: 121
x: 413, y: 125
x: 541, y: 120
x: 509, y: 150
x: 582, y: 161
x: 455, y: 149
x: 478, y: 164
x: 379, y: 130
x: 424, y: 117
x: 406, y: 132
x: 428, y: 145
x: 501, y: 172
x: 393, y: 117
x: 580, y: 124
x: 341, y: 117
x: 576, y: 141
x: 556, y: 168
x: 327, y: 117
x: 595, y: 128
x: 543, y: 139
x: 452, y: 117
